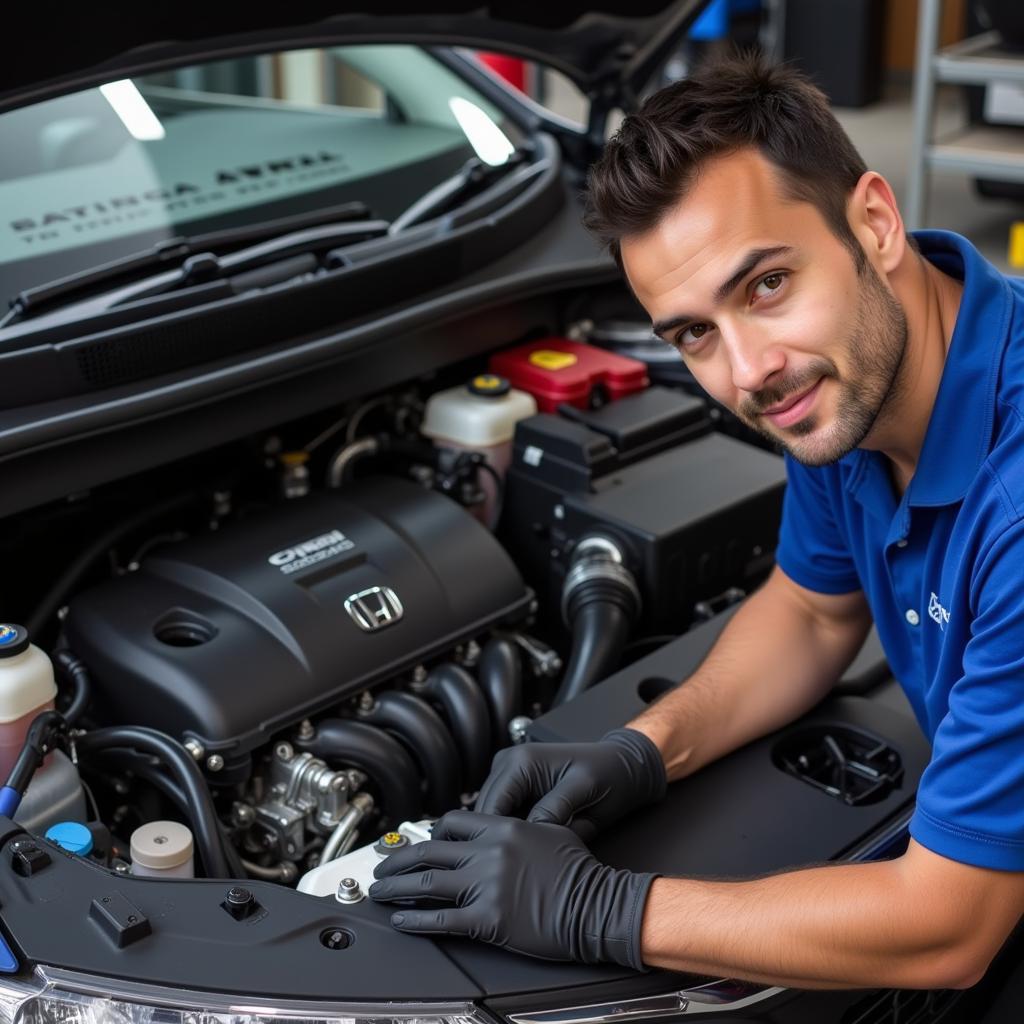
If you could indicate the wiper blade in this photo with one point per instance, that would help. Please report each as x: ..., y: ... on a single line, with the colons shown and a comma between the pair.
x: 171, y: 252
x: 472, y: 177
x: 203, y: 267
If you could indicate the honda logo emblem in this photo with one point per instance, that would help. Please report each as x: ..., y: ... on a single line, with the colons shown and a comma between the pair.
x: 374, y: 609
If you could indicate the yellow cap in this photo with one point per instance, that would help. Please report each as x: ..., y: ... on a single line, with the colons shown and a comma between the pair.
x: 549, y: 359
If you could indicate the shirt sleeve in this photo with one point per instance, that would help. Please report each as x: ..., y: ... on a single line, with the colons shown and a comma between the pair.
x: 813, y: 550
x: 970, y: 803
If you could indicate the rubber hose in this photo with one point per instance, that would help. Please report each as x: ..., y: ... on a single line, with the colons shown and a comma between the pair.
x: 69, y: 578
x: 416, y: 724
x: 600, y: 630
x: 150, y: 770
x: 380, y: 756
x: 500, y: 673
x: 465, y: 709
x: 186, y: 774
x: 72, y: 671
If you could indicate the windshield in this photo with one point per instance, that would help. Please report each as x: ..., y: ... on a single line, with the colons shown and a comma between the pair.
x: 99, y: 174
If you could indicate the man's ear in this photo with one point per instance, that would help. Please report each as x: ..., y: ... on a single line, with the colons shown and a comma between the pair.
x: 876, y: 221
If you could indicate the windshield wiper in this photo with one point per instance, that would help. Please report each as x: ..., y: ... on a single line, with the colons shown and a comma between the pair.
x: 289, y: 234
x: 473, y: 177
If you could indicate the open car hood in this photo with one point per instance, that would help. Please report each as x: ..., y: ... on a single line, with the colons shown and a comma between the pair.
x: 607, y: 48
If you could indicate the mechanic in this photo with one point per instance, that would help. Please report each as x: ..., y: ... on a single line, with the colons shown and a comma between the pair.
x: 891, y: 371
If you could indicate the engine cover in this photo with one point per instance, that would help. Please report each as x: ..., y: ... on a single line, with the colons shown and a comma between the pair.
x: 233, y: 636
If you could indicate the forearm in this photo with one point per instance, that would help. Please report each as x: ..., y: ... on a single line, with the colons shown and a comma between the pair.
x: 772, y: 663
x: 831, y: 927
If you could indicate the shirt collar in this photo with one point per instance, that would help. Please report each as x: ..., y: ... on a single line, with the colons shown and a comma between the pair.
x: 959, y: 434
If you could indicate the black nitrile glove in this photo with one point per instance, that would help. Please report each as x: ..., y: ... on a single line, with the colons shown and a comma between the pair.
x: 529, y: 888
x: 586, y: 786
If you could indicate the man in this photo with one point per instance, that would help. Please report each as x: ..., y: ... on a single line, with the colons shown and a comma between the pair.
x: 891, y: 371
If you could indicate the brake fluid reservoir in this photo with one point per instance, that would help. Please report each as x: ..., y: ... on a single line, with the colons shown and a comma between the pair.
x: 480, y: 416
x: 26, y: 687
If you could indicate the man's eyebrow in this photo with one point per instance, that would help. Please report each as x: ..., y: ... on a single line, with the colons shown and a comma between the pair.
x: 751, y: 261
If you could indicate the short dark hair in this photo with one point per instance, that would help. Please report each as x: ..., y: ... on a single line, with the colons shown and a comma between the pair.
x: 726, y: 105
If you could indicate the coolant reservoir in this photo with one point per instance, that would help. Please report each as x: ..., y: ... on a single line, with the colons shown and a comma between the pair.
x: 26, y: 688
x: 480, y: 416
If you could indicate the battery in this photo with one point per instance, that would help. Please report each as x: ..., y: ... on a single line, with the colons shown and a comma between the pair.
x: 557, y: 370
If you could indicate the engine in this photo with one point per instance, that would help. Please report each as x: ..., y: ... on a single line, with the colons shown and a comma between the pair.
x: 231, y: 640
x: 292, y: 673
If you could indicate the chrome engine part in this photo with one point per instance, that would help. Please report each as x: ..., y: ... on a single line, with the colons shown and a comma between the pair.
x: 305, y: 798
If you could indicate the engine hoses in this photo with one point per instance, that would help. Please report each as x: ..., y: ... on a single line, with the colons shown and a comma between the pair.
x: 72, y: 670
x: 600, y: 602
x: 186, y: 775
x: 42, y: 736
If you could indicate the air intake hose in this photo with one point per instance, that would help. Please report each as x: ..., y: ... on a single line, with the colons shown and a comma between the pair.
x: 600, y: 603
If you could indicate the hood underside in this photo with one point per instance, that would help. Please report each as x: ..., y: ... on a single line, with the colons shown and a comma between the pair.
x: 600, y: 46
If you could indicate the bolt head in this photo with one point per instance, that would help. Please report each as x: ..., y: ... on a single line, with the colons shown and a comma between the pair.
x: 195, y: 748
x: 349, y: 891
x: 214, y: 763
x: 284, y: 752
x: 518, y: 726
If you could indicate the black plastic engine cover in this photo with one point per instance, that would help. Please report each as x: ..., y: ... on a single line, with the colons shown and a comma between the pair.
x: 233, y: 636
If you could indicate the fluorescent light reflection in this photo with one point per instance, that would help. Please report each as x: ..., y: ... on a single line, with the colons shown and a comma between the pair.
x: 487, y: 139
x: 135, y: 113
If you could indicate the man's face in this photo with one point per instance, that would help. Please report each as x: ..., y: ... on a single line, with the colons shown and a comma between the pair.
x: 770, y: 310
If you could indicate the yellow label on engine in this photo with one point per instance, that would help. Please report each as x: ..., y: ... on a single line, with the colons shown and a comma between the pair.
x: 548, y: 359
x: 1016, y: 255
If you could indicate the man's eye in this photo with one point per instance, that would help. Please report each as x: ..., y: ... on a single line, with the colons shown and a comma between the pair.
x: 769, y: 284
x: 690, y: 336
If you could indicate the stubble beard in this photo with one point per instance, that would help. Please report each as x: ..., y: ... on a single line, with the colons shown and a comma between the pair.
x: 867, y: 393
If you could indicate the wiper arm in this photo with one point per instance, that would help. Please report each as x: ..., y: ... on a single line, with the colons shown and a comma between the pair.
x: 171, y: 252
x: 203, y: 267
x: 473, y: 176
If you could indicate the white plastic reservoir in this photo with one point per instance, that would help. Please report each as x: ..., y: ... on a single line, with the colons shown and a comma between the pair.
x: 480, y: 416
x: 27, y: 687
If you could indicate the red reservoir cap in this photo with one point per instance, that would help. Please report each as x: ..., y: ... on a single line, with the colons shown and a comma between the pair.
x: 556, y: 370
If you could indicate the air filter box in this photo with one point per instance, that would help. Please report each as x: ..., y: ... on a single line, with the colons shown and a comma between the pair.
x: 695, y: 512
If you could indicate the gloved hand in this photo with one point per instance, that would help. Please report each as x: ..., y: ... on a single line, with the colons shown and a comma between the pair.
x: 533, y: 889
x: 583, y: 785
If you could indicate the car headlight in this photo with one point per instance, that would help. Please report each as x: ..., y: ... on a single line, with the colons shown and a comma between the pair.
x: 53, y: 996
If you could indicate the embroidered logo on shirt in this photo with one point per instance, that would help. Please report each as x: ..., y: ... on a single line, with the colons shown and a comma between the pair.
x: 937, y: 612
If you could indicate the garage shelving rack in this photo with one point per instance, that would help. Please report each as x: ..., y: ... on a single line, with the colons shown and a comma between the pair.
x: 982, y: 151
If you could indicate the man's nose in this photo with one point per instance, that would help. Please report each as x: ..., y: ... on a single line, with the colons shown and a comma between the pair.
x: 753, y: 358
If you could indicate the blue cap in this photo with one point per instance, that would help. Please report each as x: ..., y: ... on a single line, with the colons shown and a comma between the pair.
x: 13, y: 639
x: 71, y: 836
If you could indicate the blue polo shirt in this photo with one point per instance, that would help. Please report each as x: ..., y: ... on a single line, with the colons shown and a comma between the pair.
x: 943, y: 567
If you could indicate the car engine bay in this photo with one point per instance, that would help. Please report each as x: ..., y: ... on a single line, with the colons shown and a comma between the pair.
x: 332, y: 659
